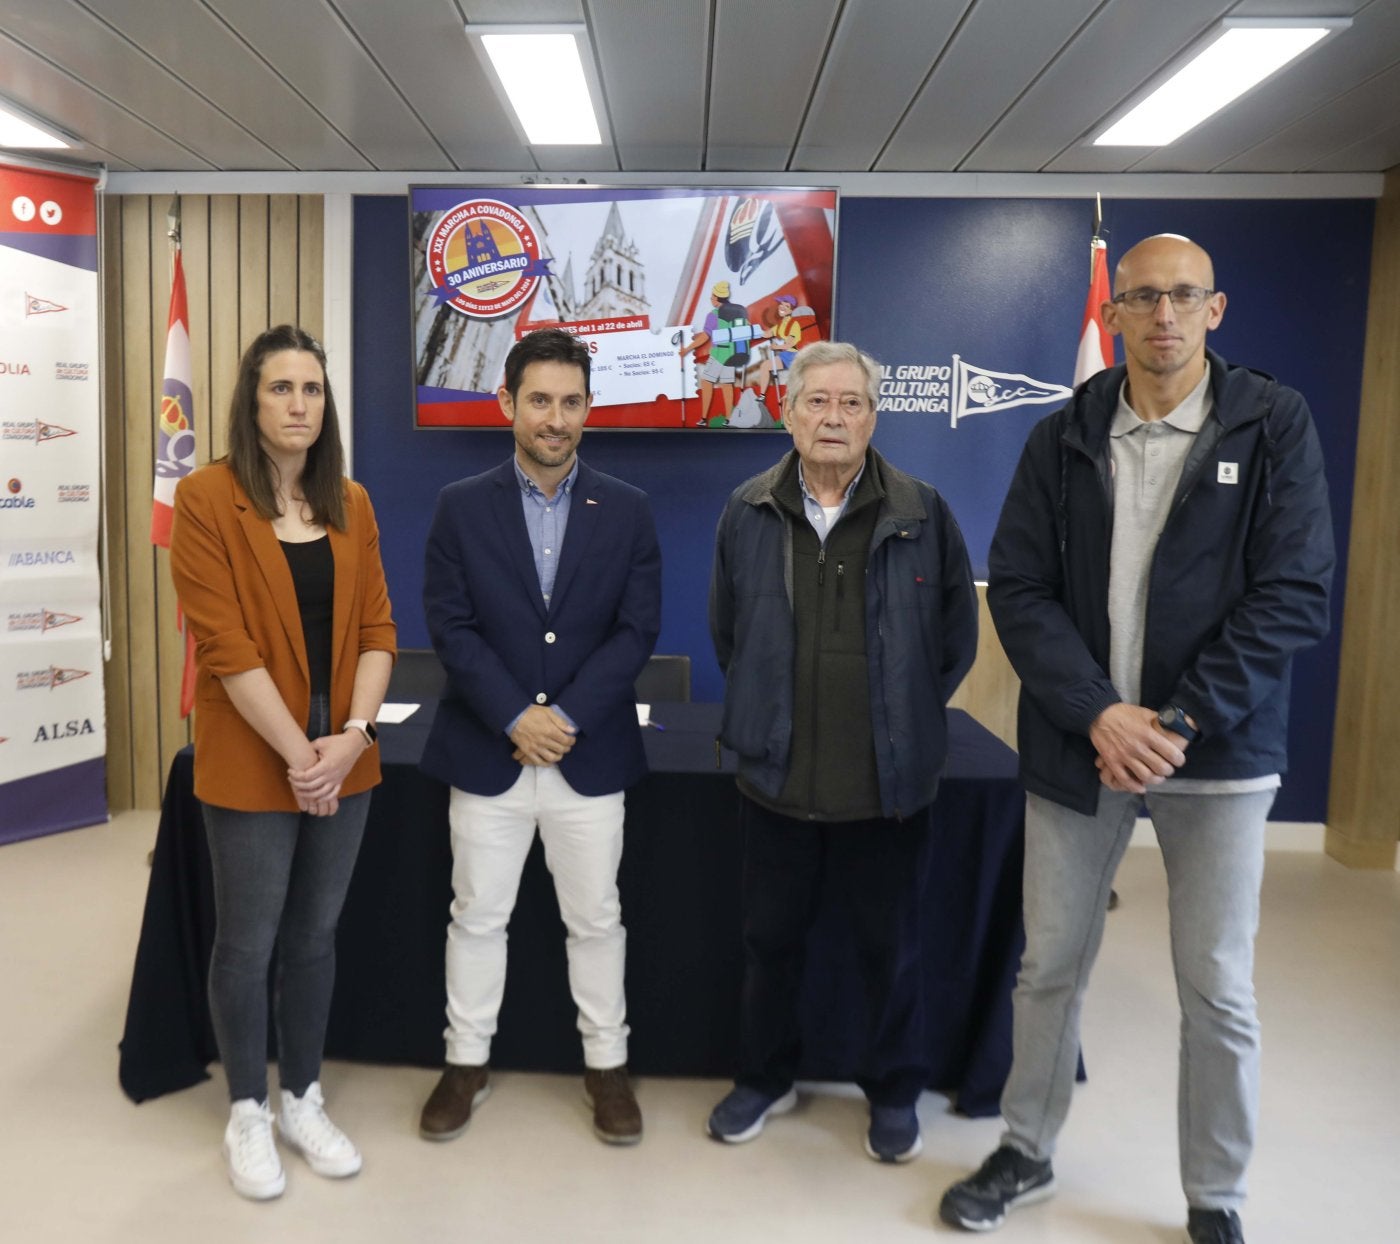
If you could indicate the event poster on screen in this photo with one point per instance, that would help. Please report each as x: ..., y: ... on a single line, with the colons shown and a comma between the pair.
x: 692, y: 300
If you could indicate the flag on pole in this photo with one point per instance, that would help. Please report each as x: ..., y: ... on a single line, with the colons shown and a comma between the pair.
x: 175, y: 442
x: 1095, y: 345
x: 174, y: 420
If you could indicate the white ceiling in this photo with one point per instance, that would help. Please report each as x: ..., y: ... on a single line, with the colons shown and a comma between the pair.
x: 690, y: 86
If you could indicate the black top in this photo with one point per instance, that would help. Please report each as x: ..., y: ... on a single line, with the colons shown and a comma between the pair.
x: 313, y: 574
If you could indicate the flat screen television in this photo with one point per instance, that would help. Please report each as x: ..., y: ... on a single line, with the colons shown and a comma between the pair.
x: 692, y: 300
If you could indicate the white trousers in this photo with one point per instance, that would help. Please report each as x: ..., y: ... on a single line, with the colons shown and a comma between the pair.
x: 491, y: 836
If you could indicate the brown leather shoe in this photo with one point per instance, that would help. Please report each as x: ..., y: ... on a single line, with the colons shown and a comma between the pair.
x: 449, y: 1108
x: 617, y: 1119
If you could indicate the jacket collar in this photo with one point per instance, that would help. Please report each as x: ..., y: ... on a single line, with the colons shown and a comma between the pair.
x: 1239, y: 395
x: 272, y: 562
x: 585, y: 507
x: 898, y: 493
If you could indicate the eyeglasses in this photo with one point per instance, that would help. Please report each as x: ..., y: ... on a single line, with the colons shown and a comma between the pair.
x: 1144, y: 301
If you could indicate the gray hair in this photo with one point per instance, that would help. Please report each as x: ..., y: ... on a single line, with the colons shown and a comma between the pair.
x: 823, y: 354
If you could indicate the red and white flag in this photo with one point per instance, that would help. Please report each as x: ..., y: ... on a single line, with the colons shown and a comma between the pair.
x: 1095, y: 345
x: 175, y: 446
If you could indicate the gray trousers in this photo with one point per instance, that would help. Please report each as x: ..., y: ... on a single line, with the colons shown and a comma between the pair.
x: 1213, y: 848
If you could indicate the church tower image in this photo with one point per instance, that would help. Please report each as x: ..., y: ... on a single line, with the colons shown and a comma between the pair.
x: 615, y: 283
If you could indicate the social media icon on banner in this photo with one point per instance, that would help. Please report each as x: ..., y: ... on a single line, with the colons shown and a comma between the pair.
x: 23, y: 208
x: 50, y: 212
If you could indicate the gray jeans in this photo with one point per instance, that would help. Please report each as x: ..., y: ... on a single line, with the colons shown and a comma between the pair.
x: 280, y: 878
x: 1213, y: 848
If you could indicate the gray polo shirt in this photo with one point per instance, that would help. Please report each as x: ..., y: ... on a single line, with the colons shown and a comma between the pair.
x: 1147, y: 458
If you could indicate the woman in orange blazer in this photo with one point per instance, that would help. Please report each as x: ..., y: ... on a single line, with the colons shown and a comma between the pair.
x: 275, y: 556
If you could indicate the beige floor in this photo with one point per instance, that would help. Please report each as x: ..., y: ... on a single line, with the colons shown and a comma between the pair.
x: 78, y: 1162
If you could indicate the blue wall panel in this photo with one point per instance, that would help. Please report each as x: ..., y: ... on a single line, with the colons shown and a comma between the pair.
x: 998, y: 283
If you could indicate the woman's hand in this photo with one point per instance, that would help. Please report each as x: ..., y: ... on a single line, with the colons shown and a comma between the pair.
x: 317, y: 786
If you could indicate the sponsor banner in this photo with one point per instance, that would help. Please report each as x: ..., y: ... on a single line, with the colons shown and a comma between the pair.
x: 52, y: 739
x: 691, y: 301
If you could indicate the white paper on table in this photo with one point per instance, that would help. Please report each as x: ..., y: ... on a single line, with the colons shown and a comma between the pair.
x: 644, y: 714
x: 392, y: 714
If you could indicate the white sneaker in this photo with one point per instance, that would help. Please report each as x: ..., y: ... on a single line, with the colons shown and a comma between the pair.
x: 254, y: 1168
x: 305, y: 1127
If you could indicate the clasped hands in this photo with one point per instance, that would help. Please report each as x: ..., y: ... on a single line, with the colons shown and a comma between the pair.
x: 541, y: 737
x: 1134, y: 750
x: 316, y: 784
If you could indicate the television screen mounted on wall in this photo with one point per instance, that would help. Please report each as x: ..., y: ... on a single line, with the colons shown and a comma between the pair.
x: 693, y: 301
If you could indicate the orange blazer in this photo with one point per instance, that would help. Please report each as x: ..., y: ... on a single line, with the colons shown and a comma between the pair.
x: 240, y: 603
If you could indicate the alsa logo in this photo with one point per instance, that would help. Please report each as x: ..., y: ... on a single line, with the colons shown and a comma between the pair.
x: 40, y: 620
x: 14, y: 369
x: 15, y: 501
x: 35, y: 430
x: 48, y: 680
x: 63, y: 730
x: 40, y: 306
x: 41, y: 557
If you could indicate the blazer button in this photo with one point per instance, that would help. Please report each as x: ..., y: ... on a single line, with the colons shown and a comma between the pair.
x: 541, y: 698
x: 549, y: 637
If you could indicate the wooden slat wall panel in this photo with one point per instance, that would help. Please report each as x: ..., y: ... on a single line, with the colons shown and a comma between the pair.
x: 134, y: 543
x: 283, y: 241
x: 1363, y: 820
x: 311, y: 267
x: 250, y: 261
x: 120, y: 768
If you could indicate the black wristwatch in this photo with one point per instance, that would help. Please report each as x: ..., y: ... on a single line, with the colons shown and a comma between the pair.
x: 1173, y: 718
x: 364, y: 727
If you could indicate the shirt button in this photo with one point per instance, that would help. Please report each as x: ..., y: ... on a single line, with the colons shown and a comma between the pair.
x: 547, y: 552
x: 549, y: 637
x: 541, y: 698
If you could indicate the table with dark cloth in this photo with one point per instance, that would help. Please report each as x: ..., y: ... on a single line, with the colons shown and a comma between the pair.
x: 679, y: 881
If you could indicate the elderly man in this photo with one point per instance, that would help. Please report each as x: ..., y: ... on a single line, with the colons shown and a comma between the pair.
x: 1164, y: 550
x: 844, y: 617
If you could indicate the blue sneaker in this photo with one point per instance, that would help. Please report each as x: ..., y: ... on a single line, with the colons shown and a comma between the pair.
x: 1004, y: 1181
x: 894, y: 1134
x: 744, y: 1111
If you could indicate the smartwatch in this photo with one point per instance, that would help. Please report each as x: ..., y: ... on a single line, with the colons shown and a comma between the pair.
x: 364, y: 727
x: 1173, y: 718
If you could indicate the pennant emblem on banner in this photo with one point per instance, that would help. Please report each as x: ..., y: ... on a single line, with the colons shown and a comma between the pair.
x: 980, y: 391
x: 40, y: 306
x: 50, y: 431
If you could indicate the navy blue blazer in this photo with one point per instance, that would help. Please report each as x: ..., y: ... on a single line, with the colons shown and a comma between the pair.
x: 504, y: 649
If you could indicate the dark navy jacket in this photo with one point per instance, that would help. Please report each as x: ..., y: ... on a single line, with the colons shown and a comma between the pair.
x: 1238, y: 582
x: 920, y: 629
x: 504, y: 649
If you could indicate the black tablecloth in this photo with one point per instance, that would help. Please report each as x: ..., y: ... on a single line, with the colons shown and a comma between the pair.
x: 679, y: 881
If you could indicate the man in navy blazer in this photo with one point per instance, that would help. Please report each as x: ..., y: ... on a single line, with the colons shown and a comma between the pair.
x: 543, y: 598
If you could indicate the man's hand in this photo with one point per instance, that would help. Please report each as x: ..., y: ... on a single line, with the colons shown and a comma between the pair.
x: 1134, y: 751
x: 541, y: 737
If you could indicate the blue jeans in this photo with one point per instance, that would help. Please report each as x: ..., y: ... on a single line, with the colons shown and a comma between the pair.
x: 279, y: 878
x: 1213, y: 849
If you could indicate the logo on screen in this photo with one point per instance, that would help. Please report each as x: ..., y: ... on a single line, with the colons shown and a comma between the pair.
x: 484, y: 259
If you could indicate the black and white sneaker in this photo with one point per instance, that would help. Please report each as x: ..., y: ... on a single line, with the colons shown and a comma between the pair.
x: 1006, y: 1180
